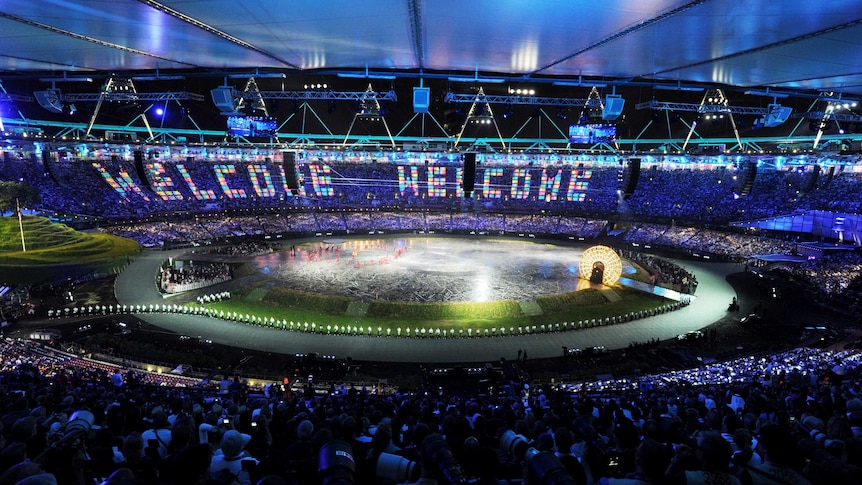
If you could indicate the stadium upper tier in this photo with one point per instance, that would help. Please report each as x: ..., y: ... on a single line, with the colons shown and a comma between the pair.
x: 123, y: 186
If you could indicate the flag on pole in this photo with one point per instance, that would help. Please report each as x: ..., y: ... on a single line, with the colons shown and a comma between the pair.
x: 20, y: 224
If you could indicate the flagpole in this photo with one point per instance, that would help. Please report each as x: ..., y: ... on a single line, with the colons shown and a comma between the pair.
x: 20, y: 225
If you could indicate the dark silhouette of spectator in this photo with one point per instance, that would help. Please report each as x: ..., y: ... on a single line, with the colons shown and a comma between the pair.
x: 777, y: 449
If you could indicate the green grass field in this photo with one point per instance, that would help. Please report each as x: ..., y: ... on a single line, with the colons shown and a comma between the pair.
x: 324, y: 310
x: 49, y: 243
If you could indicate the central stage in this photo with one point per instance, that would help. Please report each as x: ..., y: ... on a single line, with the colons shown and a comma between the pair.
x: 428, y: 269
x: 135, y: 286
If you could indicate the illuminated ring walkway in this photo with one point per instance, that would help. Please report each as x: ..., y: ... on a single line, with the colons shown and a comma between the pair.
x: 137, y: 286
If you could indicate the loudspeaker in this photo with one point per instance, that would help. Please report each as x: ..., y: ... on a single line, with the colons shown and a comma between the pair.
x: 748, y: 178
x: 139, y: 168
x: 777, y: 114
x: 468, y: 181
x: 421, y: 100
x: 829, y: 174
x: 631, y: 179
x: 50, y: 100
x: 290, y: 172
x: 812, y: 180
x: 223, y: 99
x: 613, y: 108
x: 48, y: 163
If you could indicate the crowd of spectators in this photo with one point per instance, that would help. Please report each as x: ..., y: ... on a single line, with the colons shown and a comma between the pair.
x: 111, y: 188
x: 176, y: 278
x: 664, y: 272
x: 835, y: 277
x: 204, y: 231
x: 734, y: 246
x: 244, y: 248
x: 791, y: 417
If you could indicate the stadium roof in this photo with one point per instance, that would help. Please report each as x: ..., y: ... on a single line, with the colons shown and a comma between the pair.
x: 787, y: 45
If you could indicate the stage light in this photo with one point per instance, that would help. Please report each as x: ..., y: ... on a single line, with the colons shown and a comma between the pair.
x: 600, y: 261
x: 160, y: 111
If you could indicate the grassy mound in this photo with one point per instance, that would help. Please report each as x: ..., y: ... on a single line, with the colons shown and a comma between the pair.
x: 327, y: 310
x: 314, y: 302
x: 444, y: 311
x: 49, y: 243
x: 564, y: 302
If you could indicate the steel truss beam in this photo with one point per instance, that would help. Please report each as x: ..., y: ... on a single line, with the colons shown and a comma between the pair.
x: 132, y: 97
x: 518, y: 99
x: 6, y: 97
x: 319, y: 95
x: 819, y: 115
x: 335, y: 139
x: 701, y: 108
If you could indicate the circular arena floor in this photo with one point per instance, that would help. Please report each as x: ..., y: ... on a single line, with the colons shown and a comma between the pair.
x: 428, y: 269
x: 437, y: 269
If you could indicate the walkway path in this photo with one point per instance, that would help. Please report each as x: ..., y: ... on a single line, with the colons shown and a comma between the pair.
x: 137, y: 285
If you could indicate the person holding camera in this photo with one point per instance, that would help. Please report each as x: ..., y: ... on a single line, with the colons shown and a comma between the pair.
x: 158, y: 438
x: 651, y: 460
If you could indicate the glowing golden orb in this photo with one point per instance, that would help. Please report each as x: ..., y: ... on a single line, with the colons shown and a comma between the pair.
x: 601, y: 262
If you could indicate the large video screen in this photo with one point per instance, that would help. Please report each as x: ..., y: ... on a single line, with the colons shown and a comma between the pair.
x: 590, y: 133
x: 251, y: 126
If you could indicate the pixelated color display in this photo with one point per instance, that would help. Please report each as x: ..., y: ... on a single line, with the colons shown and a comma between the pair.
x: 207, y: 194
x: 549, y: 187
x: 489, y: 191
x: 436, y: 181
x: 321, y: 180
x: 521, y: 183
x: 284, y: 186
x: 161, y: 182
x: 408, y: 179
x: 256, y: 172
x: 579, y: 182
x: 123, y: 184
x: 220, y: 172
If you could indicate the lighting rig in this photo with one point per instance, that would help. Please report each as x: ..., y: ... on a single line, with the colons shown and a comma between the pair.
x: 367, y: 102
x: 608, y: 108
x: 715, y: 105
x: 821, y: 120
x: 114, y: 90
